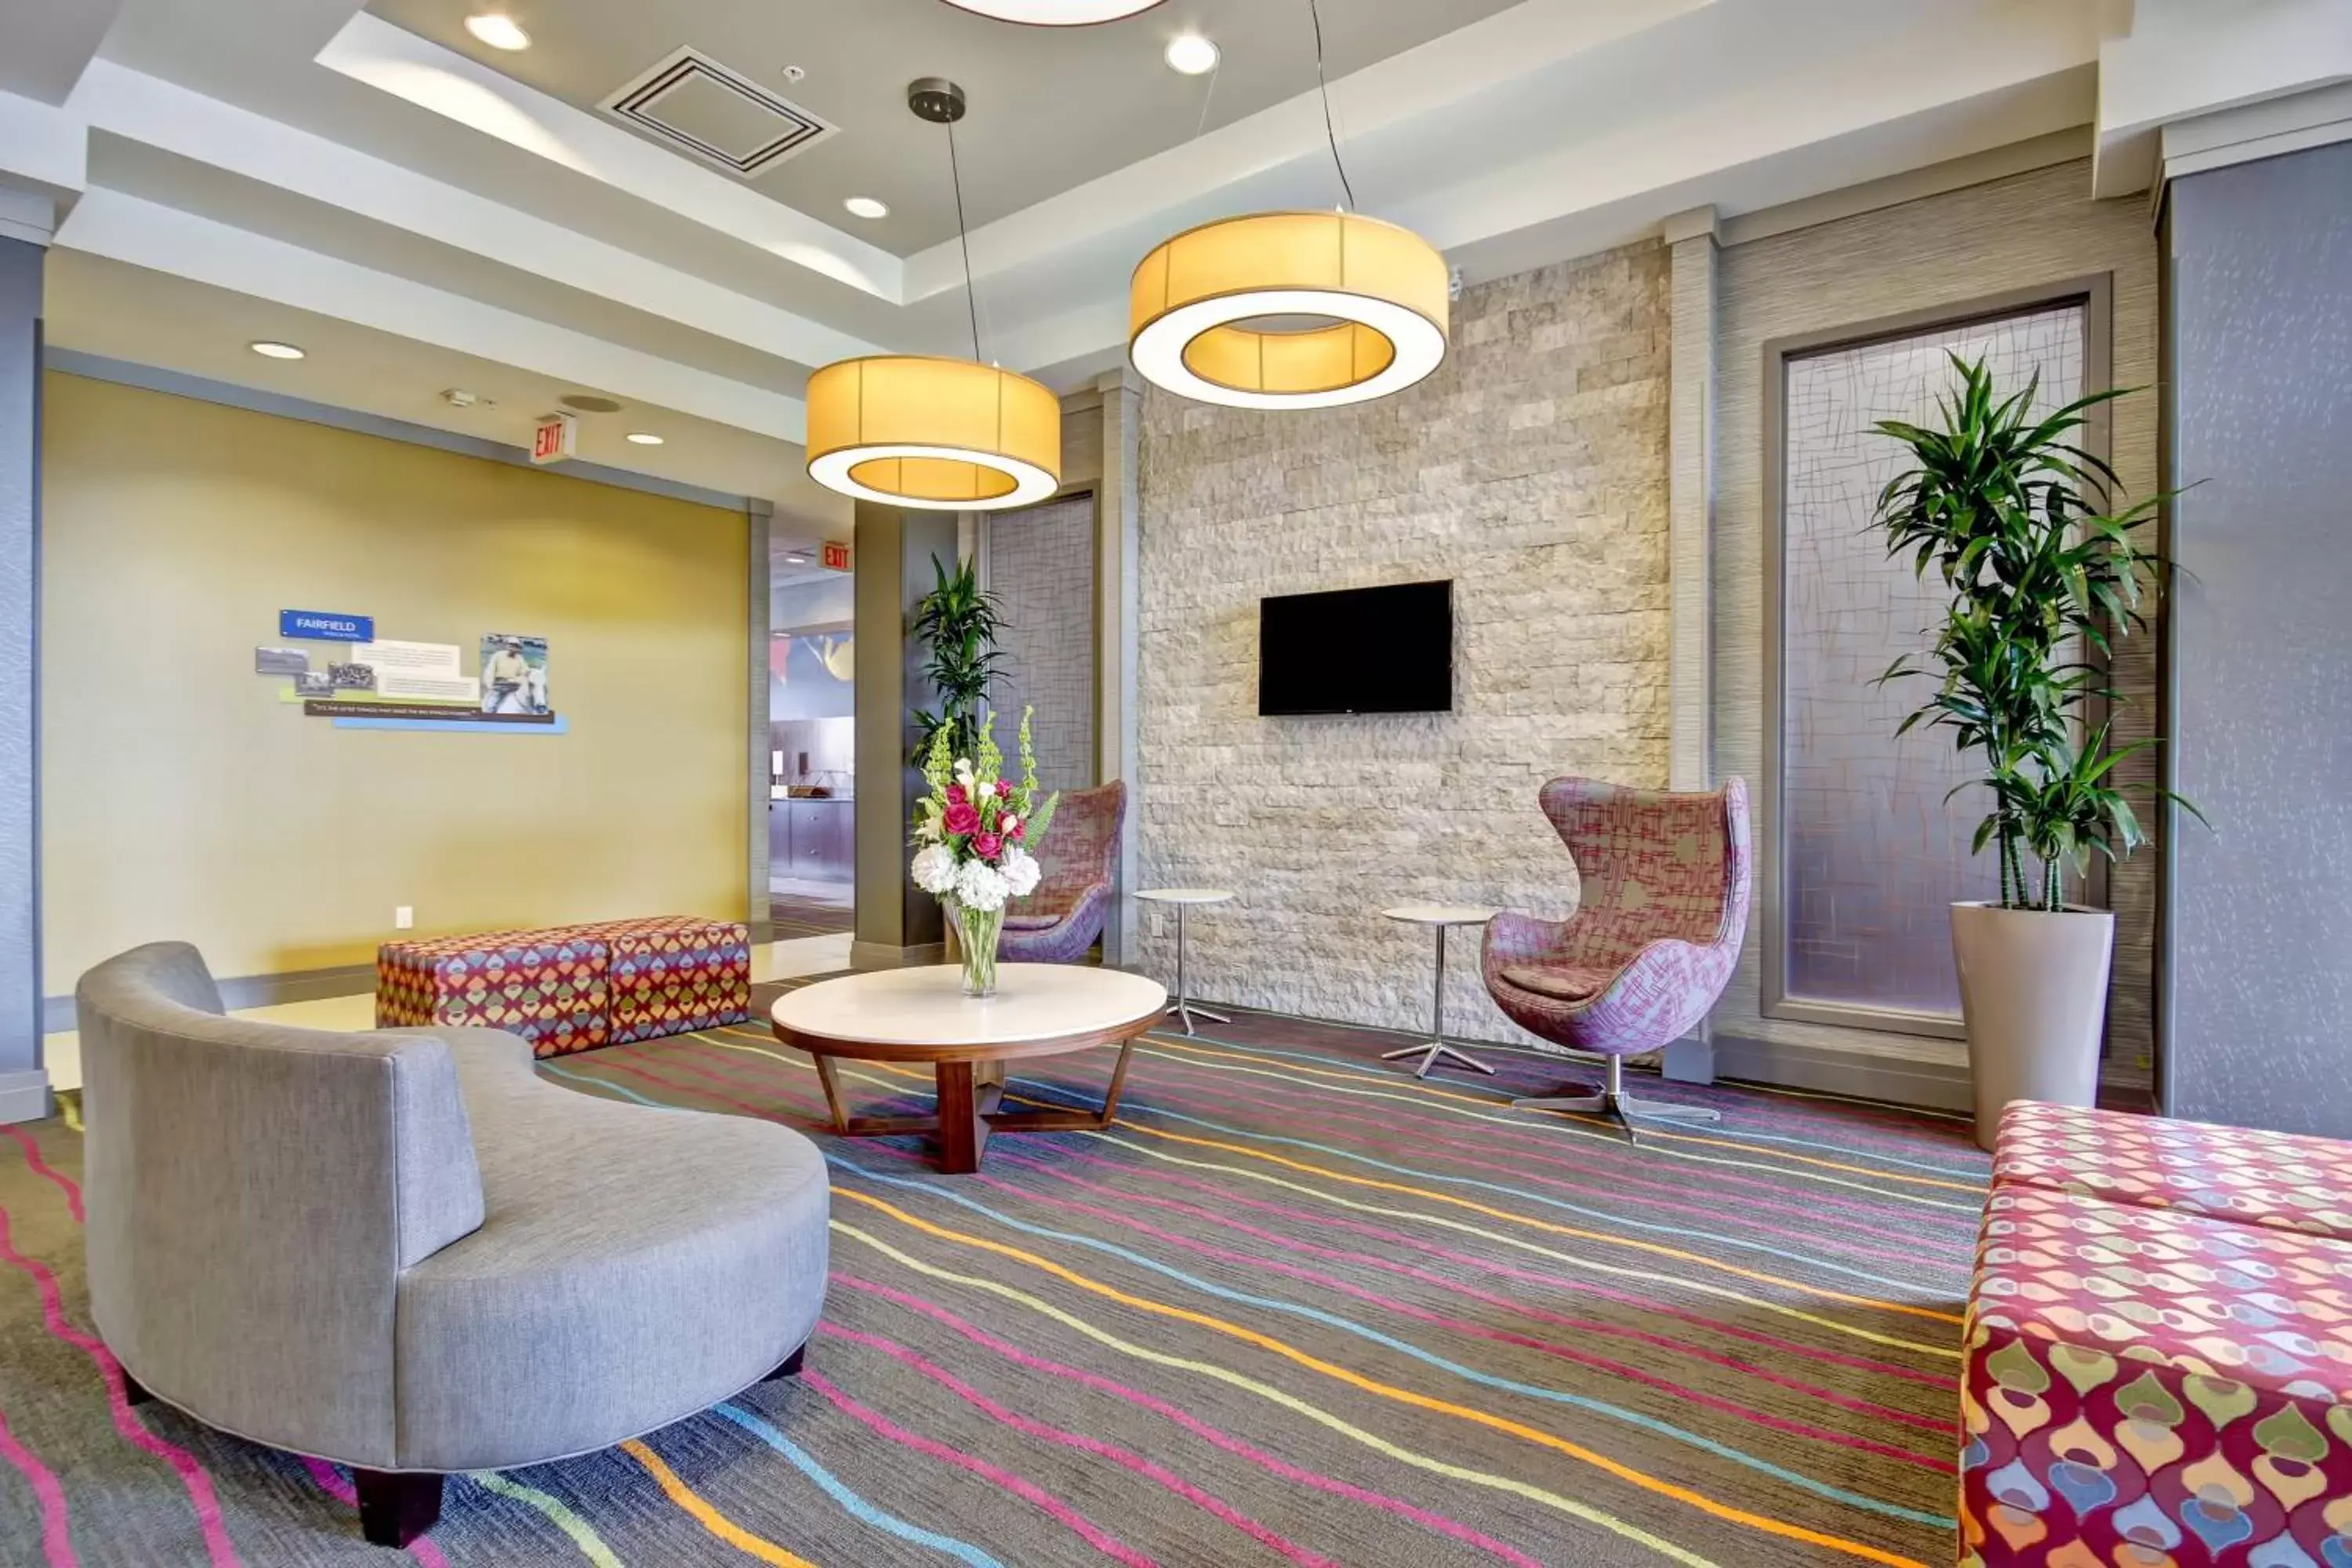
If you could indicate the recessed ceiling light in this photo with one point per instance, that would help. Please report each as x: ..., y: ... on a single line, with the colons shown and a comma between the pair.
x: 1056, y: 13
x: 498, y: 30
x: 645, y: 438
x: 866, y: 206
x: 798, y: 557
x: 1191, y: 54
x: 275, y: 351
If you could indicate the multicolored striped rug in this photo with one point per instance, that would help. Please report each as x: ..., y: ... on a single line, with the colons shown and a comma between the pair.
x: 1293, y: 1308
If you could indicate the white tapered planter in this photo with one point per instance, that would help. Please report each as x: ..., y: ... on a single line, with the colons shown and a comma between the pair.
x: 2033, y: 990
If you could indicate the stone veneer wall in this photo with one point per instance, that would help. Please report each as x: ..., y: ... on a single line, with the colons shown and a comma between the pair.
x: 1041, y: 567
x: 1531, y: 469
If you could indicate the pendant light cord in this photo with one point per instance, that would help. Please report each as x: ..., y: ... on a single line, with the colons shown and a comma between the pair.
x: 1321, y: 82
x: 970, y: 293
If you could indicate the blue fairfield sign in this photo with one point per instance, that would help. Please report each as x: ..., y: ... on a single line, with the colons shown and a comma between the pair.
x: 318, y: 624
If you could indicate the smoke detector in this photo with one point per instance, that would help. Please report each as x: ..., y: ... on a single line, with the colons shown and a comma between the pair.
x: 692, y: 104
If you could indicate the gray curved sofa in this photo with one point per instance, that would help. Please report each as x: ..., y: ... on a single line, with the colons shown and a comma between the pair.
x: 402, y: 1251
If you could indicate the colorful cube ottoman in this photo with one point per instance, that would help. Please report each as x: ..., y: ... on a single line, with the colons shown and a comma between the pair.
x: 572, y: 988
x: 2158, y: 1350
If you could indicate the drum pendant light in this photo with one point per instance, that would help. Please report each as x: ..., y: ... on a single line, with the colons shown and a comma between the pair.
x: 928, y: 432
x: 1056, y: 13
x: 1291, y: 309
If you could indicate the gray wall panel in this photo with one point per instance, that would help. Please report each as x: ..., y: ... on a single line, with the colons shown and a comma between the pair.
x: 2260, y: 302
x: 20, y: 606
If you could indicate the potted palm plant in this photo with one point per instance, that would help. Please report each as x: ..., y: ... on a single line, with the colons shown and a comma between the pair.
x: 959, y: 623
x: 2043, y: 571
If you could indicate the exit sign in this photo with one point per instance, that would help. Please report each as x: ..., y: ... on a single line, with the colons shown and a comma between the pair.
x: 556, y: 438
x: 836, y: 556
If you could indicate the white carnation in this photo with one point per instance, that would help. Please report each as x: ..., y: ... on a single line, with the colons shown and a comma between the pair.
x: 935, y: 871
x: 1020, y: 871
x: 980, y: 886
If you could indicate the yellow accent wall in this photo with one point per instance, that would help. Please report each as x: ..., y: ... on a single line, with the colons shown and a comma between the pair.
x: 183, y: 798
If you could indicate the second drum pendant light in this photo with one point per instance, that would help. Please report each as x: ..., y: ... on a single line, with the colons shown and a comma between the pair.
x: 928, y: 432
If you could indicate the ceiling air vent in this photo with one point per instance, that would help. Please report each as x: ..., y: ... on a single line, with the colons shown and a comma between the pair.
x: 693, y: 104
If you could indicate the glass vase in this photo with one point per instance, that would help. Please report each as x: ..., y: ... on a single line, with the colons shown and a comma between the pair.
x: 976, y: 934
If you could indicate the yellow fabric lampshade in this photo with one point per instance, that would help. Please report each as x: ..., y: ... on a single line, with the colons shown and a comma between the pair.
x: 936, y: 435
x: 1198, y: 310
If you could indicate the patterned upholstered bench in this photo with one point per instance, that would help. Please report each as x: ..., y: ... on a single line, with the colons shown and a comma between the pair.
x: 572, y: 988
x: 2158, y: 1350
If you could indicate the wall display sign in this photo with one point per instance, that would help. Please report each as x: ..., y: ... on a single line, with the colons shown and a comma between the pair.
x: 514, y: 675
x: 324, y: 627
x: 437, y: 712
x: 351, y: 677
x: 556, y: 437
x: 314, y: 683
x: 837, y: 555
x: 420, y: 671
x: 281, y: 661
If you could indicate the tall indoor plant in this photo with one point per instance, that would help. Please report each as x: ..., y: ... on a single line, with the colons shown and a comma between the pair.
x: 958, y: 622
x: 2043, y: 572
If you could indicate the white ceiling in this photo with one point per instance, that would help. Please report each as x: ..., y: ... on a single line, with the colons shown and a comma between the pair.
x: 441, y: 213
x: 1108, y: 97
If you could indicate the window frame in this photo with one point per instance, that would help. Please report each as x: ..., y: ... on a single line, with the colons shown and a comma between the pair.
x: 2095, y: 293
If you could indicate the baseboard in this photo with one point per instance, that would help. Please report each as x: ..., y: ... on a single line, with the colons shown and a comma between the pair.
x: 1934, y: 1085
x: 245, y: 991
x: 23, y: 1095
x: 864, y: 955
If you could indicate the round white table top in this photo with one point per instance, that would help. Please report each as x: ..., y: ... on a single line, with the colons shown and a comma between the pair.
x: 1440, y: 914
x: 925, y: 1007
x: 1186, y: 895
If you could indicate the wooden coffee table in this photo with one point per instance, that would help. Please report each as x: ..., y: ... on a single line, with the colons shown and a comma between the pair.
x: 921, y: 1015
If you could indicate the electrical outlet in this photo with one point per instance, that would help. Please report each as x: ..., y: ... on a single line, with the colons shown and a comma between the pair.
x: 404, y: 917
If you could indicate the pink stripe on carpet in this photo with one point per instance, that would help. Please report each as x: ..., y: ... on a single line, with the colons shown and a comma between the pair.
x: 1198, y: 1428
x: 1095, y: 1445
x: 217, y: 1544
x: 41, y: 1168
x: 1062, y: 1514
x: 57, y: 1537
x: 336, y: 1485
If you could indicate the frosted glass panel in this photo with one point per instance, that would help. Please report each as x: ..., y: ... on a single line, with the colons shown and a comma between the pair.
x: 1872, y: 854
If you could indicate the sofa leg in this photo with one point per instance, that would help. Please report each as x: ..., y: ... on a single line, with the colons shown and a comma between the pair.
x: 133, y: 1392
x: 396, y: 1506
x: 790, y: 1366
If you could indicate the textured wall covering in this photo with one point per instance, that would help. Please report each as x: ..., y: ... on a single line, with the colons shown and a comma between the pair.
x: 20, y: 590
x: 1041, y: 565
x: 1531, y: 469
x: 2025, y: 231
x: 2262, y: 315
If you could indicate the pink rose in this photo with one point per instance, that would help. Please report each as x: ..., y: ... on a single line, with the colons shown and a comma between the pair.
x: 988, y: 845
x: 1003, y: 789
x: 961, y: 818
x: 956, y: 796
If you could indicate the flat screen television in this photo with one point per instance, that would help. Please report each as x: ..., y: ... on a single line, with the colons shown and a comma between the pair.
x: 1361, y: 650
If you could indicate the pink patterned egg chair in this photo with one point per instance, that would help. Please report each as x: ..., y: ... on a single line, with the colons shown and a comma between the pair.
x: 1663, y: 905
x: 1060, y: 921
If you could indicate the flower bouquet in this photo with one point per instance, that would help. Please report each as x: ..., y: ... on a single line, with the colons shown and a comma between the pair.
x: 975, y: 833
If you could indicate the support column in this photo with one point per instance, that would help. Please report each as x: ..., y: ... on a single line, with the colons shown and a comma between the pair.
x: 23, y: 1081
x: 1690, y: 555
x: 1118, y: 508
x: 897, y: 924
x: 759, y: 600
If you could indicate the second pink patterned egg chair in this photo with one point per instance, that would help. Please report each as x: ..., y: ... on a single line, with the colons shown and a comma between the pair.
x: 1663, y: 881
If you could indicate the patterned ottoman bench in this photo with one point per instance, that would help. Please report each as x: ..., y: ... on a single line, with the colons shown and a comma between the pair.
x: 2158, y: 1350
x: 572, y: 988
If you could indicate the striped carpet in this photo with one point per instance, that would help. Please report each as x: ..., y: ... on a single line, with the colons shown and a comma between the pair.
x: 1294, y: 1308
